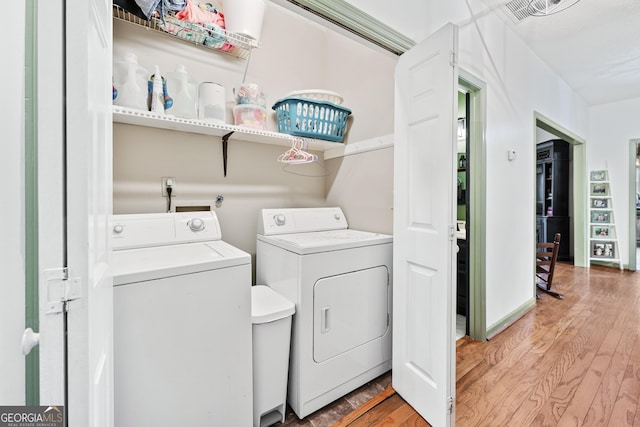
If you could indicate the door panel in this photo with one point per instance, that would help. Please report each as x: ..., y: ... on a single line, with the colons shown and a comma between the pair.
x: 424, y: 214
x: 89, y: 153
x: 341, y: 321
x: 51, y: 239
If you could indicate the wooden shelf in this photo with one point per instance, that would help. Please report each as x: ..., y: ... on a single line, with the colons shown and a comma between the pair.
x: 148, y: 119
x: 616, y: 260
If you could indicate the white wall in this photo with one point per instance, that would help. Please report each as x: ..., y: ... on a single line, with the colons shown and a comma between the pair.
x: 295, y: 54
x: 517, y: 84
x: 611, y: 127
x: 362, y: 184
x: 12, y: 387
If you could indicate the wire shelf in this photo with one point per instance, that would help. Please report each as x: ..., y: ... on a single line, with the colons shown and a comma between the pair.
x: 241, y: 45
x: 150, y: 119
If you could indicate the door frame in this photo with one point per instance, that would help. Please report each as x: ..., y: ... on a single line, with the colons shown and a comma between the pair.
x: 580, y: 224
x: 633, y: 189
x: 477, y: 200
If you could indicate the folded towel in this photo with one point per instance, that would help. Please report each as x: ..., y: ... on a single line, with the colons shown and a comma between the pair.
x: 147, y: 6
x: 198, y: 15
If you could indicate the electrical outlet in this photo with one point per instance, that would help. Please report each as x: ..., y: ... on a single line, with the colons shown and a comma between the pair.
x: 168, y: 182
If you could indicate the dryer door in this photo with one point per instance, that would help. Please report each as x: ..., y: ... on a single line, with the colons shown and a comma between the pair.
x: 349, y: 310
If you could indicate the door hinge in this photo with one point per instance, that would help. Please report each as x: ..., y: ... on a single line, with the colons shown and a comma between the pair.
x: 450, y: 404
x: 453, y: 60
x: 61, y: 287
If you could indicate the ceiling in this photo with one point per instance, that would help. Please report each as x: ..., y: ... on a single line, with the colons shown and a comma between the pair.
x: 594, y: 46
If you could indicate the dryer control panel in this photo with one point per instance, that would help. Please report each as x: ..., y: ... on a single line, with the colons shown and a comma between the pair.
x: 300, y: 220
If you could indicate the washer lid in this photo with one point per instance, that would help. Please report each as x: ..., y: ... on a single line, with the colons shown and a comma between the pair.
x: 140, y: 264
x: 326, y: 241
x: 268, y: 306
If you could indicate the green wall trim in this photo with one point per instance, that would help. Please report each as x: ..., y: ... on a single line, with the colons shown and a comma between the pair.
x: 354, y: 20
x: 633, y: 189
x: 477, y: 206
x: 32, y: 361
x: 510, y: 318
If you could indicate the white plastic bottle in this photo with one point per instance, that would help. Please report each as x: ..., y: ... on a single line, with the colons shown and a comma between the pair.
x: 130, y: 82
x: 157, y: 93
x: 184, y: 91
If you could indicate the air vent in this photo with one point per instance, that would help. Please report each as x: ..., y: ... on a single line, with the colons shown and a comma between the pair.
x: 519, y: 8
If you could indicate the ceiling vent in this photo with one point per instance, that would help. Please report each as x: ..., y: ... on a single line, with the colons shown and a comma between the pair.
x: 519, y: 9
x: 522, y: 9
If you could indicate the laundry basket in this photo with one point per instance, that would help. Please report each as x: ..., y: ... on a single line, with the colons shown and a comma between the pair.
x: 311, y: 118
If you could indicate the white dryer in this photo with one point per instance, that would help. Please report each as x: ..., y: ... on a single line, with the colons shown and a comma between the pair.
x: 340, y: 282
x: 182, y: 322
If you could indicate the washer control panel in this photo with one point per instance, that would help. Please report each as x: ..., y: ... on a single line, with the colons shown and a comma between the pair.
x: 145, y: 230
x: 300, y: 220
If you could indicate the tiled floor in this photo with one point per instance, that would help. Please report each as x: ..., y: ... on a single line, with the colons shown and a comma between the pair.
x: 335, y: 411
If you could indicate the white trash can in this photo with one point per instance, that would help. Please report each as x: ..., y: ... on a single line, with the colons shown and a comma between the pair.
x: 271, y: 317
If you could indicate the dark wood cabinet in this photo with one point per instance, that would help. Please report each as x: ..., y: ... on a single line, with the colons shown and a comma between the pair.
x: 461, y: 305
x: 552, y: 194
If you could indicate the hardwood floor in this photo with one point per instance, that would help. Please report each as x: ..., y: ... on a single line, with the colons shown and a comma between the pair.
x: 564, y: 363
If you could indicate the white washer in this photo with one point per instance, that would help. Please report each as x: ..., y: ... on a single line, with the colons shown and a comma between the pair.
x: 340, y: 282
x: 182, y: 322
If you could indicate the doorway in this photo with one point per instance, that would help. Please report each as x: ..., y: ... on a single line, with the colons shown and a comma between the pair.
x: 471, y: 210
x: 463, y: 185
x: 576, y: 228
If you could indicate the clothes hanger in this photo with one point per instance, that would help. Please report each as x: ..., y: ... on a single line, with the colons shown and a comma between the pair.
x: 297, y: 155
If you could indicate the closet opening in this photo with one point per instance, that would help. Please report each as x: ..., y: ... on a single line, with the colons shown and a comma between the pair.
x: 463, y: 187
x: 471, y: 160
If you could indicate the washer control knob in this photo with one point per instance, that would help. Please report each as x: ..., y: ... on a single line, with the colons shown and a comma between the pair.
x: 196, y: 225
x: 336, y: 216
x: 280, y: 220
x: 118, y: 229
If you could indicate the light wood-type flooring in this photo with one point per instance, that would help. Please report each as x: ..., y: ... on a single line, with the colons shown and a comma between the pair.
x: 571, y: 362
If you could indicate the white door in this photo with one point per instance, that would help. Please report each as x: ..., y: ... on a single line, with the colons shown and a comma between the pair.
x: 89, y: 344
x: 50, y: 198
x: 424, y: 249
x: 89, y: 183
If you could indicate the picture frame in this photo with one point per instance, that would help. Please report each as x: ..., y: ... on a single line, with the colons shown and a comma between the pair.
x: 599, y: 175
x: 599, y: 189
x: 603, y: 250
x: 597, y: 203
x: 601, y: 231
x: 600, y: 217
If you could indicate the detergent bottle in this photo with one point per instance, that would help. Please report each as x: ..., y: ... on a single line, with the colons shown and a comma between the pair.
x: 184, y: 91
x: 130, y: 83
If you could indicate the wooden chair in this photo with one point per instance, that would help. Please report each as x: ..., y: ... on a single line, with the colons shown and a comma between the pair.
x: 546, y: 256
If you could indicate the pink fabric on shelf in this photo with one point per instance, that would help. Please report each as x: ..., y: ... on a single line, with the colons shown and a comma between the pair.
x: 193, y: 13
x: 197, y: 15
